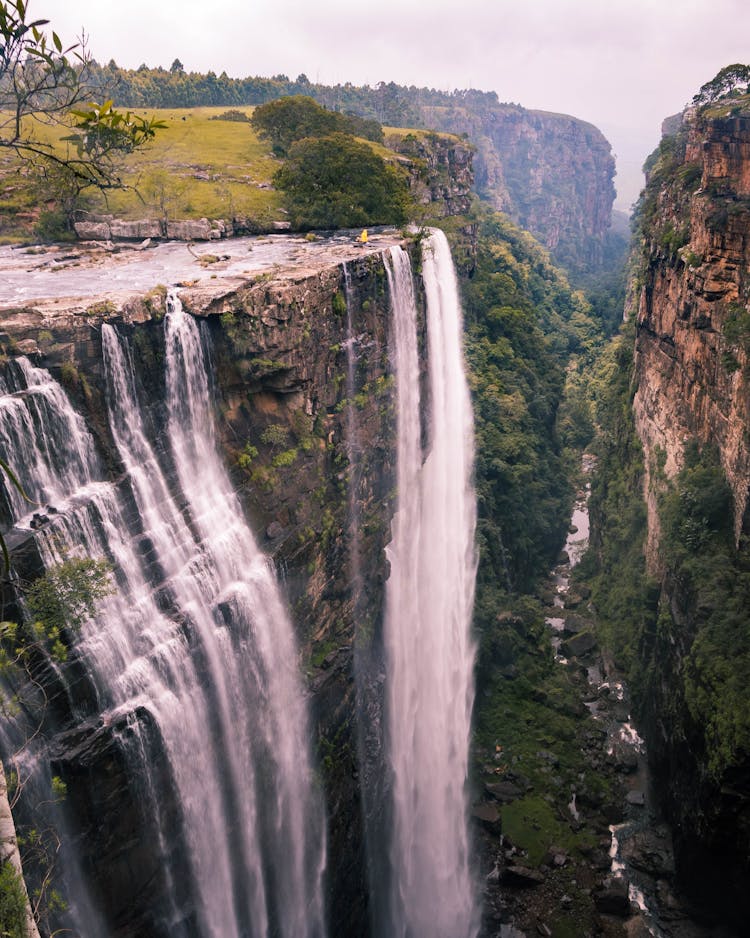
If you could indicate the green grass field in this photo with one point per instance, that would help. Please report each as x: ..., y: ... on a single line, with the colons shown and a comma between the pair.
x: 199, y: 166
x: 195, y: 167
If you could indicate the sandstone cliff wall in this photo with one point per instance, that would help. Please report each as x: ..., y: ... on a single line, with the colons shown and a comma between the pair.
x: 692, y: 384
x: 691, y: 346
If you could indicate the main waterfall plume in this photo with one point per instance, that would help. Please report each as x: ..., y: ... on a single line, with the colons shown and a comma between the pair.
x: 192, y: 660
x: 429, y: 598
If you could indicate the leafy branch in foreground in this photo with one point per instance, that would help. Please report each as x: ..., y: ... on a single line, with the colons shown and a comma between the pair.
x: 43, y: 83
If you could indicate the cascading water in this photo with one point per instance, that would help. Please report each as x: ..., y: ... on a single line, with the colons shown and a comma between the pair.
x: 429, y: 597
x: 193, y: 655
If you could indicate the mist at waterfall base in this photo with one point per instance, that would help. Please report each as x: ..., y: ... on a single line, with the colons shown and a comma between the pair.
x: 191, y: 665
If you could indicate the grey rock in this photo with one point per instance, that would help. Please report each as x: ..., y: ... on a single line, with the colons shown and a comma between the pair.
x: 190, y: 230
x: 503, y: 792
x: 488, y: 816
x: 578, y: 645
x: 92, y: 230
x: 135, y: 230
x: 522, y: 876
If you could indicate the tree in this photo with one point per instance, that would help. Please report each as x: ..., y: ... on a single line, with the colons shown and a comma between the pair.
x: 297, y: 116
x: 340, y: 182
x: 59, y: 602
x: 43, y: 83
x: 728, y: 81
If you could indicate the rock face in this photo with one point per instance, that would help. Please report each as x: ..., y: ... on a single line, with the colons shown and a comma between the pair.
x: 691, y: 370
x: 551, y: 173
x: 692, y: 379
x: 441, y: 169
x: 288, y: 397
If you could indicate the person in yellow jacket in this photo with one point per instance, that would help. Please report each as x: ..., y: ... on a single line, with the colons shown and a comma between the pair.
x: 362, y: 239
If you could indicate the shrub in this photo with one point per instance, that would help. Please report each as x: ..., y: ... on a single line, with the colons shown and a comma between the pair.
x: 339, y: 182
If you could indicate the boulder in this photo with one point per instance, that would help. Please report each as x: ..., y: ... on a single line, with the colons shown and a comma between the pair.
x: 578, y: 645
x: 189, y: 230
x: 636, y: 797
x: 573, y: 625
x: 135, y: 230
x: 488, y: 816
x: 92, y: 230
x: 649, y: 851
x: 626, y: 761
x: 504, y: 792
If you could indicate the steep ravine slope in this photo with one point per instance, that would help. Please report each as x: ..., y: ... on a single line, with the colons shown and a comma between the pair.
x: 692, y: 414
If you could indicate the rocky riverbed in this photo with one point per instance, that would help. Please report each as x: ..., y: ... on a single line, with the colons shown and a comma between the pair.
x: 571, y: 843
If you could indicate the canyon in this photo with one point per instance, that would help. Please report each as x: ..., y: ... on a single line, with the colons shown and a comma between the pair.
x: 295, y: 445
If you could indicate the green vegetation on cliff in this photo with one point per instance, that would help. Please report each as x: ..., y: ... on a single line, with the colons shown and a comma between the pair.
x: 524, y: 325
x: 709, y: 613
x: 615, y: 564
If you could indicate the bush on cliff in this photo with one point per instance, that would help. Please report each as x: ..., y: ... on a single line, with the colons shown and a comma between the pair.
x: 340, y: 182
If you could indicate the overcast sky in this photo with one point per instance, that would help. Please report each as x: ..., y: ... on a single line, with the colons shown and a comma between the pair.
x: 624, y: 65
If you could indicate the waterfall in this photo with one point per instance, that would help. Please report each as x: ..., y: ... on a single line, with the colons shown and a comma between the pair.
x: 429, y: 597
x: 193, y: 656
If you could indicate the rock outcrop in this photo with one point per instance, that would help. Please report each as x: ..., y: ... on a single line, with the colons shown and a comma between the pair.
x: 440, y: 167
x: 280, y: 345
